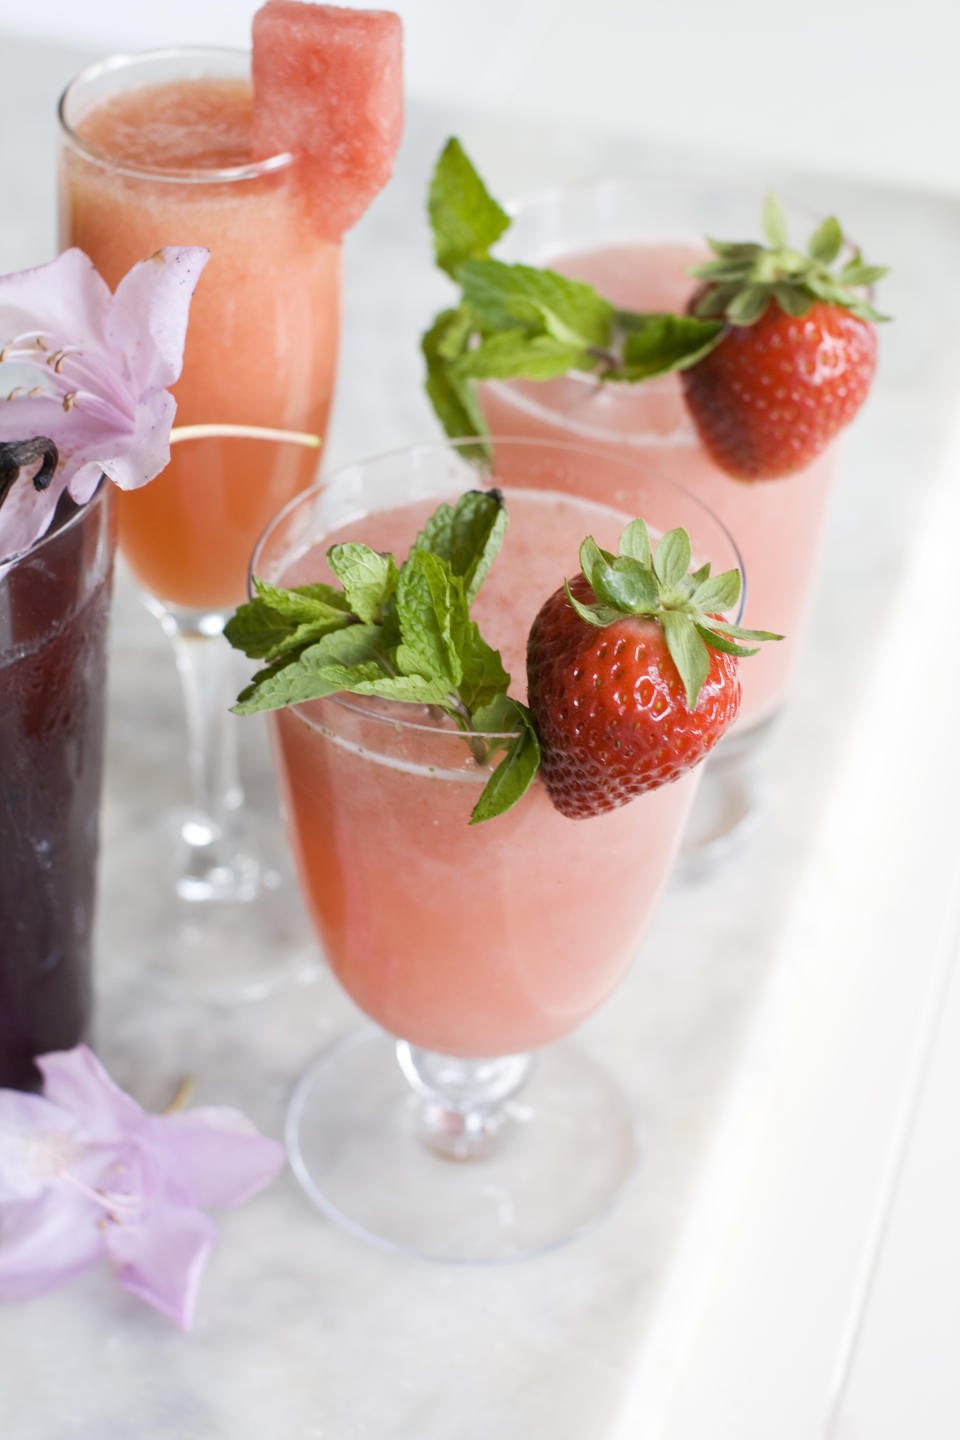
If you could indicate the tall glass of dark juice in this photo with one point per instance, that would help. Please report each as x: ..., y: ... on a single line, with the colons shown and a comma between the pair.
x: 54, y: 603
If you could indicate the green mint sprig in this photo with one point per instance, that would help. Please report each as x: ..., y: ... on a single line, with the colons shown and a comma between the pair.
x: 744, y: 278
x: 520, y: 322
x: 400, y: 633
x: 524, y: 322
x: 660, y: 585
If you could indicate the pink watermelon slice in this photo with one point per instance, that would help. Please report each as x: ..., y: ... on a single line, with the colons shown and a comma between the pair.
x: 328, y: 86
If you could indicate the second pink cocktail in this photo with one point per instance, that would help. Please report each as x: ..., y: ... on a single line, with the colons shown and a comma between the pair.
x: 777, y: 522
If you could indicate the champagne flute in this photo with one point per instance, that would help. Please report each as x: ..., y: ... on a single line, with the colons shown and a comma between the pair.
x: 154, y: 148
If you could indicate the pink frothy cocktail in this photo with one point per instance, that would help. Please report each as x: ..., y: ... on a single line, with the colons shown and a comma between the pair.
x: 472, y: 944
x: 468, y: 939
x: 612, y: 236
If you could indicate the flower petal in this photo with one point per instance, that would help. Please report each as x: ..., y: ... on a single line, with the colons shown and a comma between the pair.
x: 45, y: 1241
x: 26, y: 515
x: 216, y: 1156
x: 76, y: 1080
x: 62, y: 301
x: 33, y: 1132
x: 81, y: 440
x: 139, y: 457
x: 162, y: 1260
x: 148, y: 317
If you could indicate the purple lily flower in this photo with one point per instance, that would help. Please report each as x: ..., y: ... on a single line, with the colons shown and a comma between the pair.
x: 84, y: 1172
x: 95, y: 368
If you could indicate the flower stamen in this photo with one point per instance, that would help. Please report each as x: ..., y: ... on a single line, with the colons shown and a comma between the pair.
x: 109, y: 1200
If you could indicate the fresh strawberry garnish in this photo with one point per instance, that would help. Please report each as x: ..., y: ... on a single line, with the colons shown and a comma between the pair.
x: 632, y: 674
x: 796, y: 360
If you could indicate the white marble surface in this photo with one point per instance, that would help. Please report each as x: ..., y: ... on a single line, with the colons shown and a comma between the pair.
x: 302, y: 1331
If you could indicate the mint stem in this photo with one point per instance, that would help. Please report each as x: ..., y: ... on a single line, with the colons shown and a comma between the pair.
x: 465, y: 720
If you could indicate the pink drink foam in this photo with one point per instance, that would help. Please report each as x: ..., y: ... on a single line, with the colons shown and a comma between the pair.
x: 469, y: 940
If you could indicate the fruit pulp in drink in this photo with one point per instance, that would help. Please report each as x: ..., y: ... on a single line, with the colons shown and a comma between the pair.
x: 262, y: 339
x: 53, y: 627
x: 470, y: 940
x: 775, y: 523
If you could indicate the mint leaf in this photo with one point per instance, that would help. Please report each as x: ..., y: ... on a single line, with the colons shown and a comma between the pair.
x: 303, y: 602
x: 433, y: 614
x: 509, y: 353
x: 370, y: 680
x: 452, y: 397
x: 515, y: 774
x: 483, y: 677
x: 464, y: 217
x: 509, y: 297
x: 305, y: 677
x: 667, y: 343
x: 368, y: 578
x: 278, y: 620
x: 468, y: 536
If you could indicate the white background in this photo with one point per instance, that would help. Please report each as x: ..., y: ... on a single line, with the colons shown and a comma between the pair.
x: 844, y: 85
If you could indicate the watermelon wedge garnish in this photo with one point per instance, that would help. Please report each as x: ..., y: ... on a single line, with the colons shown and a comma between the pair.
x: 328, y: 87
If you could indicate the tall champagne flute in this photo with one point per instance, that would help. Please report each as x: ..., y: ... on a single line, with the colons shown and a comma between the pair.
x: 155, y: 150
x: 472, y: 946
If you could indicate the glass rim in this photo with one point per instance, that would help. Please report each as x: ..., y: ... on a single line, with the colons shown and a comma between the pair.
x: 52, y: 534
x: 309, y: 495
x: 189, y: 175
x: 663, y: 181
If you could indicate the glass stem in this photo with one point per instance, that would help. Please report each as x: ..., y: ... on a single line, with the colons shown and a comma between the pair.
x: 211, y: 866
x: 463, y: 1104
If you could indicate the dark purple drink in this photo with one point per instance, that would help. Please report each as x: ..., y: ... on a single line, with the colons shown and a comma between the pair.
x: 53, y: 626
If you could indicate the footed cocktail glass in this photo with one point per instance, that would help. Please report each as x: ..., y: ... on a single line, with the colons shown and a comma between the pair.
x: 155, y: 150
x: 470, y: 946
x: 634, y: 240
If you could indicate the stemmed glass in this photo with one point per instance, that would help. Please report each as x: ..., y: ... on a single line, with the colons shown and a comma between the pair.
x: 471, y: 946
x: 634, y: 238
x: 261, y: 352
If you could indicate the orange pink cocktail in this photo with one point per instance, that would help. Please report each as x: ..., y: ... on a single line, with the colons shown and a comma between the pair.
x: 158, y: 146
x: 181, y: 143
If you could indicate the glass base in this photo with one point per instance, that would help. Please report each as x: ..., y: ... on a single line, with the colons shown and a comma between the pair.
x: 237, y: 938
x: 365, y: 1151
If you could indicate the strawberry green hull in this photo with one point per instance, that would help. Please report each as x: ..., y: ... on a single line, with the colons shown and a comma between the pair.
x: 468, y: 940
x: 776, y: 523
